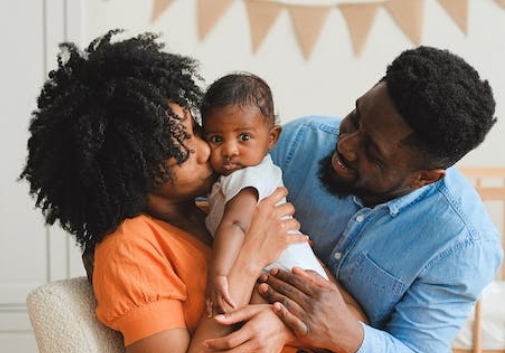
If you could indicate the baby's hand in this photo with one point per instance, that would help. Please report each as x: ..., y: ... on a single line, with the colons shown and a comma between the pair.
x: 218, y: 297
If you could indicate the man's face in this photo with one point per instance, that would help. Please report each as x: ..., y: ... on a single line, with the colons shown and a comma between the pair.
x: 370, y: 160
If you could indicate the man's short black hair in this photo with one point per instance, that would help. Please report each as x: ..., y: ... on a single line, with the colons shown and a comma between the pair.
x: 443, y: 100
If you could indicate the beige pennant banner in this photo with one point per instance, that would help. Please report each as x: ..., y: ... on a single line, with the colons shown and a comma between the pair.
x: 501, y: 2
x: 458, y: 11
x: 262, y: 16
x: 159, y: 7
x: 308, y: 22
x: 408, y: 14
x: 359, y: 19
x: 209, y: 13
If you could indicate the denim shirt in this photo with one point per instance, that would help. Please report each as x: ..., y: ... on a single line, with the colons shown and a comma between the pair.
x: 416, y: 264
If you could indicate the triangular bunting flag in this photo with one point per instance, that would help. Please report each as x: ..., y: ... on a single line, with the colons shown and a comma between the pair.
x: 458, y: 10
x: 159, y: 7
x: 359, y: 19
x: 501, y: 2
x: 408, y: 14
x: 209, y: 13
x: 262, y: 15
x: 308, y: 22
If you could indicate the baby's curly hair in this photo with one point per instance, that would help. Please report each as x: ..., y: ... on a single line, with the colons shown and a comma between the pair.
x: 443, y: 100
x: 240, y: 88
x: 102, y: 132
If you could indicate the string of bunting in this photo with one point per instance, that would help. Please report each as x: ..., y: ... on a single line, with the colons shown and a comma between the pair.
x: 308, y: 19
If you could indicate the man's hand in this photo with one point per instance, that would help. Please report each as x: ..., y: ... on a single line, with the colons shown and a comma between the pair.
x: 262, y: 331
x: 313, y: 308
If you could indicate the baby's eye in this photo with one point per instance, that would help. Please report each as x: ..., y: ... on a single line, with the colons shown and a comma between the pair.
x: 245, y: 137
x: 215, y: 139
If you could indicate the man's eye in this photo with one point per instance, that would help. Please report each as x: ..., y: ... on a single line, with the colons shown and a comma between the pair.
x: 245, y: 137
x: 215, y: 139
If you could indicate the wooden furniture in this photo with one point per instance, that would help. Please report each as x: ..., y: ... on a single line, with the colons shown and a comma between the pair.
x: 489, y: 182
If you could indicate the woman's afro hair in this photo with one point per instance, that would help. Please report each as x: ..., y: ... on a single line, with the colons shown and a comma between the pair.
x: 102, y: 132
x: 443, y: 100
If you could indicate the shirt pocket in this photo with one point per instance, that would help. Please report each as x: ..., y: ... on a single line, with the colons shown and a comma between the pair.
x: 374, y: 288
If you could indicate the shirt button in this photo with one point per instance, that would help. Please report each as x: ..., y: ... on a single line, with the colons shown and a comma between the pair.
x: 337, y: 256
x: 360, y: 218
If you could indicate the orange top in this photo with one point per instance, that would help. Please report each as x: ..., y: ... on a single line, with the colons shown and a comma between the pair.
x: 149, y: 277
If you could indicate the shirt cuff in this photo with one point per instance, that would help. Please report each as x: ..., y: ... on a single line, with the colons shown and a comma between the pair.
x: 368, y: 344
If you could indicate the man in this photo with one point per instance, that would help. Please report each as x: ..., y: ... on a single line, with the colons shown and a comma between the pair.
x: 396, y: 224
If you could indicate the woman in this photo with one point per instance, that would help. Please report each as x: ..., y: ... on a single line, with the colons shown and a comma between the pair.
x: 116, y: 157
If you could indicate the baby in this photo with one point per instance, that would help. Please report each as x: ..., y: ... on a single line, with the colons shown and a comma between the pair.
x: 239, y: 125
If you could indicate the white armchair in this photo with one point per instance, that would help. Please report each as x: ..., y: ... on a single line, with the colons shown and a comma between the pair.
x: 63, y: 317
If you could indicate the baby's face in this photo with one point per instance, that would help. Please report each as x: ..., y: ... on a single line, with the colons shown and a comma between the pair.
x: 238, y: 136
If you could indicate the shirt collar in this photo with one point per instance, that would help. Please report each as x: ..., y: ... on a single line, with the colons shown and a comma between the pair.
x: 395, y: 206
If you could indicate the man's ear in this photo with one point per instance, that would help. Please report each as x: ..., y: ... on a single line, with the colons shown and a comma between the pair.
x: 273, y: 136
x: 425, y: 177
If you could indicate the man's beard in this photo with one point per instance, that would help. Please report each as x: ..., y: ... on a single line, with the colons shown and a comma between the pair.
x: 330, y: 183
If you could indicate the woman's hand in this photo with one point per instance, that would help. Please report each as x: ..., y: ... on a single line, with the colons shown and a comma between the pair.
x: 313, y: 308
x: 272, y: 228
x: 262, y: 331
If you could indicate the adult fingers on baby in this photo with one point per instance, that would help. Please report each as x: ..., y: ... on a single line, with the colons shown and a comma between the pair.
x: 277, y: 195
x: 295, y: 324
x: 281, y: 293
x: 295, y: 286
x: 312, y: 276
x: 284, y: 210
x: 242, y: 314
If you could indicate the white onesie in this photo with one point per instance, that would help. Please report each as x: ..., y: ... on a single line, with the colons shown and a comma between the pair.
x: 265, y: 178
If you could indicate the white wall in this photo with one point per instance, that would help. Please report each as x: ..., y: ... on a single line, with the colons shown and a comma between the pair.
x: 334, y: 77
x: 30, y: 253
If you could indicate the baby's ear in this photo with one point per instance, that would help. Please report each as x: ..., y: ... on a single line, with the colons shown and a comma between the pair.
x: 273, y: 136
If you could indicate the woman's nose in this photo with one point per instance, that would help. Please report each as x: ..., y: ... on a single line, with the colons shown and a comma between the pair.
x: 202, y: 151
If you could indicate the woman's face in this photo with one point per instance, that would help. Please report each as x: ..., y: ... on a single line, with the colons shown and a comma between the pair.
x: 194, y: 177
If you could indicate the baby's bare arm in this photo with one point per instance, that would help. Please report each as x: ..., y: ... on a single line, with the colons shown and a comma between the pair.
x: 227, y: 242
